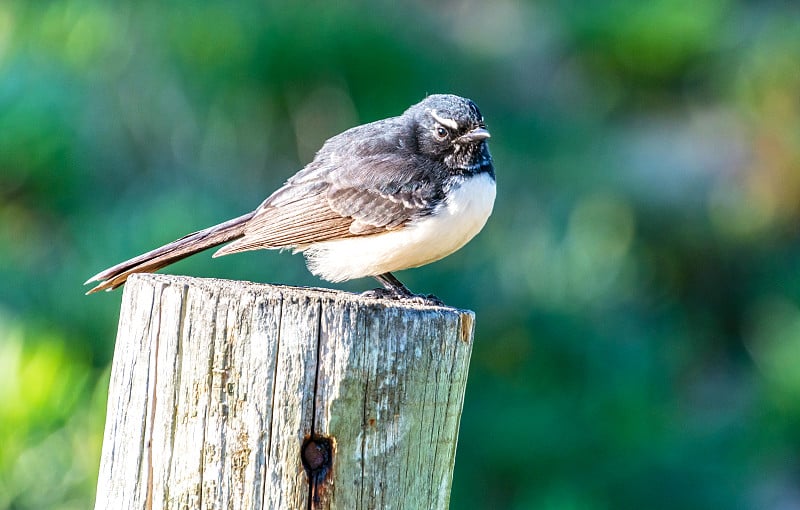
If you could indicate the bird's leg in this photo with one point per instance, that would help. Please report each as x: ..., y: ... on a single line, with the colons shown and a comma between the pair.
x: 394, y: 285
x: 394, y: 289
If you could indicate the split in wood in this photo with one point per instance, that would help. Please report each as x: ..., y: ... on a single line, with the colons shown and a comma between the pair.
x: 251, y: 370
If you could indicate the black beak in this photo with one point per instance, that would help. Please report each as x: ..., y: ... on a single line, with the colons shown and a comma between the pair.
x: 476, y: 135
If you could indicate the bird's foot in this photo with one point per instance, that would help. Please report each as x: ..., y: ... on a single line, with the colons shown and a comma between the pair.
x: 394, y: 289
x: 419, y: 299
x: 380, y: 294
x: 426, y: 299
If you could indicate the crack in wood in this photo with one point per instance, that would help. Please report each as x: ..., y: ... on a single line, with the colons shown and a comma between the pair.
x: 366, y: 391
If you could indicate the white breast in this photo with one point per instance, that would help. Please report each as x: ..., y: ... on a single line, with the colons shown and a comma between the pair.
x: 458, y: 220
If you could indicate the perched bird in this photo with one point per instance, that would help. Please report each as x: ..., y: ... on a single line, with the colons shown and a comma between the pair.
x: 389, y: 195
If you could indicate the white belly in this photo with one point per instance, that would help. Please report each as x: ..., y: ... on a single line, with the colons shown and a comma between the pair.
x: 456, y: 222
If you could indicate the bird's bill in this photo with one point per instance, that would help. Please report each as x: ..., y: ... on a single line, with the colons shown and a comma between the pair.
x: 476, y: 135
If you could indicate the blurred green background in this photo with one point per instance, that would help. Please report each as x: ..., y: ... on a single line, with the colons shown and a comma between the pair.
x: 637, y: 289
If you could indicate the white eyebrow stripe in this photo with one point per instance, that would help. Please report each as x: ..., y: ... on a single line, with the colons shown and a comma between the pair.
x: 445, y: 122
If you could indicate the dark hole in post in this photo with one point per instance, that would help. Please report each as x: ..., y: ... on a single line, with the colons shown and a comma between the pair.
x: 317, y: 456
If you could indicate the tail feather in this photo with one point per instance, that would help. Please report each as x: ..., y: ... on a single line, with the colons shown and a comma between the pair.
x: 154, y: 260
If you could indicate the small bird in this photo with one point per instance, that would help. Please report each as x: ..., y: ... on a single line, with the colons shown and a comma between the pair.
x: 389, y: 195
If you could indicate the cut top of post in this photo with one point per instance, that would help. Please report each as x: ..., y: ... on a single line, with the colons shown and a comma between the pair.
x: 228, y: 394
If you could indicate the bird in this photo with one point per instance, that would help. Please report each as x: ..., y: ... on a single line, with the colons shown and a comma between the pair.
x: 388, y: 195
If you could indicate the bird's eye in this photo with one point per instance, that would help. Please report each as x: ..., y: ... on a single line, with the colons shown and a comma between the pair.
x: 441, y: 133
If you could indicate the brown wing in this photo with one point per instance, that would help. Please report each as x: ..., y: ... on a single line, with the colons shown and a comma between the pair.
x: 300, y: 221
x: 371, y: 209
x: 357, y: 185
x: 331, y: 213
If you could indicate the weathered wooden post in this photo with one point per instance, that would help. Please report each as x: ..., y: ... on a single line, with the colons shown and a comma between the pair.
x: 239, y: 395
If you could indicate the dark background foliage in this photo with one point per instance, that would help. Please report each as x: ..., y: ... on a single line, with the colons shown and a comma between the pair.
x: 637, y: 288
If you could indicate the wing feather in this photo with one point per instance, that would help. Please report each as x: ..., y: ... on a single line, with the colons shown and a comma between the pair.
x: 348, y: 190
x: 293, y: 223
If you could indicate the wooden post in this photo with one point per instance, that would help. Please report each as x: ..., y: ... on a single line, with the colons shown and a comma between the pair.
x: 234, y: 395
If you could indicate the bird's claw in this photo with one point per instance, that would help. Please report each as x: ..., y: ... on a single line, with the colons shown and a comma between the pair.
x: 419, y: 299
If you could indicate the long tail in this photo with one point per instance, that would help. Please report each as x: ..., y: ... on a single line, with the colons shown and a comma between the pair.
x: 187, y: 245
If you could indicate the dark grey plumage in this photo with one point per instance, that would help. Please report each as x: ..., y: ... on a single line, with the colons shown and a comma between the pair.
x: 369, y: 180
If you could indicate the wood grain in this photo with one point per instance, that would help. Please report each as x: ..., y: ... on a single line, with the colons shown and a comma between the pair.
x: 216, y: 386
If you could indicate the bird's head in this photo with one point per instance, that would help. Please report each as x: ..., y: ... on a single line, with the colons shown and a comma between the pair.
x: 450, y: 129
